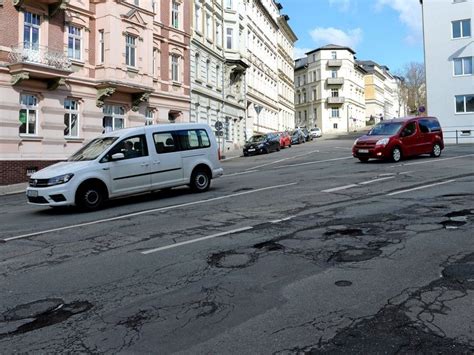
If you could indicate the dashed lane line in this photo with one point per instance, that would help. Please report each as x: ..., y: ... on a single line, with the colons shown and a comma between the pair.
x: 420, y: 187
x: 431, y: 161
x: 161, y: 209
x: 284, y: 159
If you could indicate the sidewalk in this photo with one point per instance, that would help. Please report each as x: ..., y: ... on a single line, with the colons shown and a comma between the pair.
x: 13, y: 189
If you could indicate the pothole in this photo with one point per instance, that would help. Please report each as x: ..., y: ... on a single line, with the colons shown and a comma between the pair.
x: 354, y: 255
x: 453, y: 224
x: 343, y: 283
x: 231, y: 260
x: 462, y: 213
x: 351, y: 232
x: 269, y: 246
x: 39, y: 314
x: 243, y: 189
x: 459, y: 272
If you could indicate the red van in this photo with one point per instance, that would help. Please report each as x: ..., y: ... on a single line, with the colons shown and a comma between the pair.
x: 399, y: 138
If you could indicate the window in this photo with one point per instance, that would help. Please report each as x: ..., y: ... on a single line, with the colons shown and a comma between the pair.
x: 218, y: 76
x: 208, y: 26
x: 335, y: 112
x: 175, y: 15
x: 464, y: 103
x: 409, y: 129
x: 334, y: 92
x: 334, y: 74
x: 28, y: 114
x: 175, y: 68
x: 334, y: 55
x: 130, y: 50
x: 461, y: 28
x: 304, y: 96
x: 71, y: 118
x: 155, y: 62
x: 149, y: 116
x: 314, y: 95
x: 334, y: 126
x: 228, y: 4
x: 131, y: 147
x: 101, y: 47
x: 168, y: 142
x: 218, y: 34
x: 74, y: 42
x: 31, y: 31
x: 114, y: 118
x: 230, y: 35
x: 197, y: 18
x: 136, y: 2
x: 463, y: 66
x: 208, y: 71
x: 196, y: 66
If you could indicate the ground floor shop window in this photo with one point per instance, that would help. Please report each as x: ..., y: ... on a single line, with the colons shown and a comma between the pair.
x: 71, y: 118
x: 114, y: 118
x: 28, y: 114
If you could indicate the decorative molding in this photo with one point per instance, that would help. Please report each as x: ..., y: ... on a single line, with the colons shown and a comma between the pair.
x: 18, y: 78
x: 137, y: 99
x: 59, y: 5
x: 102, y: 94
x: 53, y: 84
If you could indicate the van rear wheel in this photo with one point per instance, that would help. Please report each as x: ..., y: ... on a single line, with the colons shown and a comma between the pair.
x: 436, y: 151
x: 200, y: 181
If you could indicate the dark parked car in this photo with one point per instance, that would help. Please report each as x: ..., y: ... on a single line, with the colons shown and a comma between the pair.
x: 401, y: 137
x: 262, y: 143
x: 307, y: 135
x: 297, y: 137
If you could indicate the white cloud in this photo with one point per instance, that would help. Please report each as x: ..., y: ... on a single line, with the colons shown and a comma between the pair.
x: 409, y: 14
x: 300, y: 52
x: 331, y: 35
x: 342, y: 5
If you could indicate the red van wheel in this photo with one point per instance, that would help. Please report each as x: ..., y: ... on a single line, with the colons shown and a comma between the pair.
x: 396, y: 154
x: 436, y: 151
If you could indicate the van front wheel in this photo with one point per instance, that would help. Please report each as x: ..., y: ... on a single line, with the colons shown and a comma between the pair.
x: 396, y: 154
x: 90, y: 197
x: 200, y: 181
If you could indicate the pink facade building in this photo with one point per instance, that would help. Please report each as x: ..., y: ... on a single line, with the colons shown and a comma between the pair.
x: 72, y: 69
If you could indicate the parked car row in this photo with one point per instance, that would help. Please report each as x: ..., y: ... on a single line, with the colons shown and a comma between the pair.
x: 268, y: 142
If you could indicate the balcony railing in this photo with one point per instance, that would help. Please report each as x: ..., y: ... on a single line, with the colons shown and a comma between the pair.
x: 335, y: 100
x: 334, y: 62
x: 34, y: 54
x: 335, y: 81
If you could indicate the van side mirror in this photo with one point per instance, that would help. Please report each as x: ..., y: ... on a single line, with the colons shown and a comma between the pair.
x: 117, y: 156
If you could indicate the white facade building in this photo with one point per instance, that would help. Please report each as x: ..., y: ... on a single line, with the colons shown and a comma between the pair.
x: 449, y: 52
x: 329, y: 90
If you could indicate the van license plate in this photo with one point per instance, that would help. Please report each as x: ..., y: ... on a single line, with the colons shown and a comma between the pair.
x: 363, y: 150
x: 32, y: 193
x: 251, y: 150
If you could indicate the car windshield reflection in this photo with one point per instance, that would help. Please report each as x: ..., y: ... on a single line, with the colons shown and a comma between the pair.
x: 385, y: 129
x: 255, y: 139
x: 93, y: 149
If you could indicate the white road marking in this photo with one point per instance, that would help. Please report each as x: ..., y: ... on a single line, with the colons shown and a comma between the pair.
x: 282, y: 219
x: 147, y: 211
x: 284, y: 159
x: 314, y: 162
x: 241, y: 173
x: 432, y: 161
x: 420, y: 187
x: 340, y: 188
x: 170, y: 246
x: 376, y: 180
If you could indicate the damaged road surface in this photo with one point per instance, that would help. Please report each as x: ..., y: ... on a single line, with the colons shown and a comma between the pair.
x: 336, y: 257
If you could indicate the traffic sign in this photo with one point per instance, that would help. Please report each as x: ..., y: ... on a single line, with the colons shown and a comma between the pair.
x: 218, y: 125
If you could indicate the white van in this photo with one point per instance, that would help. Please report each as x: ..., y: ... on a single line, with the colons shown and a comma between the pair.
x: 130, y: 161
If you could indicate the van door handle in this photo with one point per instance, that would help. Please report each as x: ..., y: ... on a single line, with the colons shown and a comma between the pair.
x: 156, y: 162
x: 105, y: 168
x: 144, y: 164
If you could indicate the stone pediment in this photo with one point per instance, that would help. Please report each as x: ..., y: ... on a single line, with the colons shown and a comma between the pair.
x: 134, y: 17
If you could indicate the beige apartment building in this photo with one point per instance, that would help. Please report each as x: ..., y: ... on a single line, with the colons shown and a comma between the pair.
x: 70, y: 70
x: 329, y: 90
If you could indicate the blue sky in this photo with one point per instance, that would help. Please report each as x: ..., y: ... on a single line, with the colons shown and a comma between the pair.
x: 388, y: 32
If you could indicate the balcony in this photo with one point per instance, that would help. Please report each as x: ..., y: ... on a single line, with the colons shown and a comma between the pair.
x: 335, y: 100
x: 334, y: 62
x: 335, y: 81
x: 34, y: 61
x: 53, y: 5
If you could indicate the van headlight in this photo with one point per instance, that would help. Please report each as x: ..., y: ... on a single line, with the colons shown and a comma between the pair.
x: 382, y: 142
x: 61, y: 179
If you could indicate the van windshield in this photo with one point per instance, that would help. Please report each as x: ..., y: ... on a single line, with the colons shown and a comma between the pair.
x: 93, y: 149
x: 385, y: 129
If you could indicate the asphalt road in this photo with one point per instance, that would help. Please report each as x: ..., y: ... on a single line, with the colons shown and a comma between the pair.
x: 303, y: 250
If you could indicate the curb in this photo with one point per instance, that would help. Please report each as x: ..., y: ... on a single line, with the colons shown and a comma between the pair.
x: 13, y: 189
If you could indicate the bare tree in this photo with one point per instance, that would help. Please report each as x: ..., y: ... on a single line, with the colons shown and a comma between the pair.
x: 413, y: 86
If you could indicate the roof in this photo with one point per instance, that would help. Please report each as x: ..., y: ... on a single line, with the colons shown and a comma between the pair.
x: 301, y: 63
x: 332, y: 47
x: 369, y: 65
